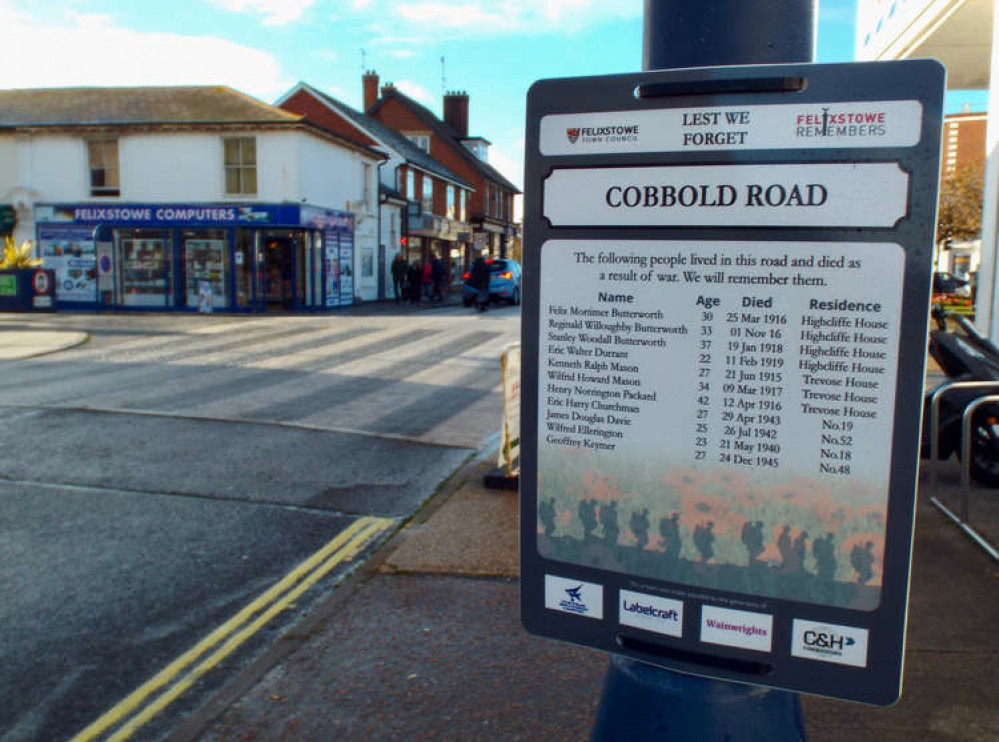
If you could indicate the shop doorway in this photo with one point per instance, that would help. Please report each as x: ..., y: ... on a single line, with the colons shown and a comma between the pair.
x: 278, y: 270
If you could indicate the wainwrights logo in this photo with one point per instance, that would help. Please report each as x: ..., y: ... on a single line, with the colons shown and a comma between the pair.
x: 573, y: 596
x: 602, y: 134
x: 830, y: 123
x: 737, y: 628
x: 843, y: 645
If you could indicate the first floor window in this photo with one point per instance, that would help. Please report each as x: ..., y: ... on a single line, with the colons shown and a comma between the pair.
x: 240, y: 166
x: 104, y: 173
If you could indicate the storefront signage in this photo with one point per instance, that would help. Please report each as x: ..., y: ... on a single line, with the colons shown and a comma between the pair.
x: 719, y: 438
x: 165, y: 214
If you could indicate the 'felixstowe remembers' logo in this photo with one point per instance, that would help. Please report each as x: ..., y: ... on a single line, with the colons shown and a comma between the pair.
x: 572, y: 134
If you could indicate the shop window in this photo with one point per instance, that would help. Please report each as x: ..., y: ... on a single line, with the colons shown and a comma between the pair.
x: 144, y: 269
x: 104, y: 171
x: 206, y: 266
x: 240, y: 166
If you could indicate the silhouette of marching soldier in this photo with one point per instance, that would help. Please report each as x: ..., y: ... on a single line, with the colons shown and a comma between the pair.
x: 588, y: 517
x: 862, y: 559
x: 798, y: 551
x: 704, y: 538
x: 546, y: 513
x: 784, y: 546
x: 608, y: 519
x: 825, y: 557
x: 752, y: 539
x: 640, y: 526
x: 669, y: 529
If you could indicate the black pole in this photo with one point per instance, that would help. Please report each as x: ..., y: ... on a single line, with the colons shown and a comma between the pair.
x: 712, y: 33
x: 641, y: 701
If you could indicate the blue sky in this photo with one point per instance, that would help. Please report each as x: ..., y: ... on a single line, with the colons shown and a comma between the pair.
x: 493, y: 49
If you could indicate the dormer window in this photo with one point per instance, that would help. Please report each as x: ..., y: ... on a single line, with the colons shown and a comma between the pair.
x: 420, y: 140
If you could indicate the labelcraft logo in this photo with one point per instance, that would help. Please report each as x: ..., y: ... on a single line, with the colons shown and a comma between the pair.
x: 651, y: 613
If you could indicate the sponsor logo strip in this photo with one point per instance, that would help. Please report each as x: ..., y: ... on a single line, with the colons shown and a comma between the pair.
x: 651, y: 613
x: 742, y: 629
x: 574, y: 596
x: 826, y: 642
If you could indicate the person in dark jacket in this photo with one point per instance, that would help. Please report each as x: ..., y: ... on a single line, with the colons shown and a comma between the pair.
x: 414, y: 281
x: 437, y: 276
x: 399, y: 268
x: 478, y: 279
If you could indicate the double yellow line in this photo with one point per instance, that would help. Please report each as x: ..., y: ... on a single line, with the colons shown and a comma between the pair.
x: 146, y: 701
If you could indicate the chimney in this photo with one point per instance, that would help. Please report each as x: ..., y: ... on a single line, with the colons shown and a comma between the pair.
x: 370, y: 82
x: 456, y: 112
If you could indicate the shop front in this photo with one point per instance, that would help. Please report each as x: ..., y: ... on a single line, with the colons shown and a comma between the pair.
x: 197, y: 257
x: 436, y: 236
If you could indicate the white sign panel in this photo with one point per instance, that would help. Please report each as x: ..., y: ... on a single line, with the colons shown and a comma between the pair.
x: 739, y: 392
x: 822, y: 195
x: 841, y: 645
x: 743, y: 629
x: 802, y: 126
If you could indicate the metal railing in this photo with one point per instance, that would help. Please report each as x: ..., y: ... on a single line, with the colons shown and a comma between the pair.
x: 963, y: 519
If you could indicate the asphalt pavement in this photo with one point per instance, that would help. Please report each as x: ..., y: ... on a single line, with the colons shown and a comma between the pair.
x: 425, y: 641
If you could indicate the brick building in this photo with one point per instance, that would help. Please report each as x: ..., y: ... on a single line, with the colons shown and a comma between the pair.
x: 423, y: 205
x: 490, y: 211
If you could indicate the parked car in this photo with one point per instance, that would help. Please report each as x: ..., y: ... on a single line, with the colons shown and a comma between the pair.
x: 948, y: 283
x: 505, y: 277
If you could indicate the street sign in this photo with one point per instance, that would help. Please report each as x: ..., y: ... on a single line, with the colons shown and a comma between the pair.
x: 727, y: 273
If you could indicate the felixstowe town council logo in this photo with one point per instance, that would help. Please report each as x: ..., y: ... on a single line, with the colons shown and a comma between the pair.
x: 618, y: 134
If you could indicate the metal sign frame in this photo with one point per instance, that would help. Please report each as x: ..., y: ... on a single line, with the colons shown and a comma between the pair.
x: 627, y: 172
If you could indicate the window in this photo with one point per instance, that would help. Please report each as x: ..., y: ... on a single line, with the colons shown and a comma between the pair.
x: 410, y: 184
x: 367, y: 185
x: 462, y: 206
x: 428, y: 195
x: 104, y: 179
x: 420, y: 140
x: 240, y: 166
x: 450, y: 202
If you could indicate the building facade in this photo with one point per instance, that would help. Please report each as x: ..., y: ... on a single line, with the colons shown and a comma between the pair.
x: 490, y: 208
x: 423, y: 205
x: 186, y: 198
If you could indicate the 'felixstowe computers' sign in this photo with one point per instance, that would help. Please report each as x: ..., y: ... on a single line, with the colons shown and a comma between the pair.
x: 719, y: 441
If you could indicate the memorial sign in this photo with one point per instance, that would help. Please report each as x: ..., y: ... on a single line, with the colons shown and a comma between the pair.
x: 727, y: 274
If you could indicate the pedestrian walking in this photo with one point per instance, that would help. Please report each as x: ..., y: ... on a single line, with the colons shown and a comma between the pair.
x: 428, y: 280
x: 437, y: 276
x: 399, y: 268
x: 478, y: 279
x: 414, y: 279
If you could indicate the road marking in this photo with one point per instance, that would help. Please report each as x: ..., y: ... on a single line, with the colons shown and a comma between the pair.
x: 347, y: 545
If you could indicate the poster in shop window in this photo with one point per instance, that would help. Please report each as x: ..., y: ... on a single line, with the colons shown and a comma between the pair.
x: 726, y: 286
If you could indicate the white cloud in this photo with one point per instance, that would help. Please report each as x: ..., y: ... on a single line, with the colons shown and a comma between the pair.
x: 105, y: 55
x: 275, y: 12
x: 413, y: 90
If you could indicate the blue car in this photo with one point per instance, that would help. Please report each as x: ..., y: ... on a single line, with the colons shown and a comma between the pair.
x: 504, y: 282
